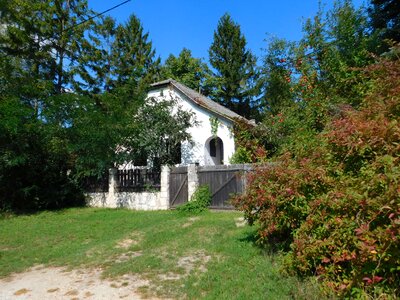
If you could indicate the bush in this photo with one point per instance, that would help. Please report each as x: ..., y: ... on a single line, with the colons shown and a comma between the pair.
x: 335, y: 198
x: 249, y: 143
x: 199, y: 201
x: 278, y: 195
x: 241, y: 156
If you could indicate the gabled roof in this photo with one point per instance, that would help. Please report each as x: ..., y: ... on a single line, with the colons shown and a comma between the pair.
x: 201, y: 100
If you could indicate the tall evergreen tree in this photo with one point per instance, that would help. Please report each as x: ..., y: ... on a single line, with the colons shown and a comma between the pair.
x: 39, y: 54
x: 133, y: 59
x: 236, y: 77
x: 188, y: 70
x: 385, y: 19
x: 95, y: 62
x: 46, y: 36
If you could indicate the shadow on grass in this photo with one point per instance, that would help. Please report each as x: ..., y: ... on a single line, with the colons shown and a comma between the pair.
x: 275, y: 249
x: 10, y: 213
x: 274, y: 244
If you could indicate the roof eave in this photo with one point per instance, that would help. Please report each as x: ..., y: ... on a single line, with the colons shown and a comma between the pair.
x: 171, y: 82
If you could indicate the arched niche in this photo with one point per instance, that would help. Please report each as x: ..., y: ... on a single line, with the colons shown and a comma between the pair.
x: 214, y: 150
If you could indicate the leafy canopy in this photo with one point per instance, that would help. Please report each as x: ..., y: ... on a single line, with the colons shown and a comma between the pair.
x: 73, y: 101
x: 190, y: 71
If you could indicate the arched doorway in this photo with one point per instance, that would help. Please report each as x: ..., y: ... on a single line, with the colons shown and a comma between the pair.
x: 215, y: 151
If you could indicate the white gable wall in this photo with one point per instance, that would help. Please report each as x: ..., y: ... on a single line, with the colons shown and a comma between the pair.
x: 201, y: 134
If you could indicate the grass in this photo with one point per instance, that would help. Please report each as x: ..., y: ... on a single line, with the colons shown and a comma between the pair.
x: 206, y: 257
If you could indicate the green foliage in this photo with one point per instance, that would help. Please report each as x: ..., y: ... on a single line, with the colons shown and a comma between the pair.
x: 190, y: 71
x: 249, y: 143
x: 335, y: 196
x: 133, y: 65
x: 214, y: 122
x: 168, y: 129
x: 309, y: 82
x: 199, y: 202
x: 33, y: 163
x: 385, y: 22
x: 236, y: 78
x: 72, y: 101
x: 276, y: 76
x: 241, y: 156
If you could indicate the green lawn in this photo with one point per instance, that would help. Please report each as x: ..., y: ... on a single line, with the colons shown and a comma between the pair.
x: 205, y: 257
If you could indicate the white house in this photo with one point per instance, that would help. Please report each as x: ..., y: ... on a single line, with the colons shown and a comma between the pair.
x: 210, y: 147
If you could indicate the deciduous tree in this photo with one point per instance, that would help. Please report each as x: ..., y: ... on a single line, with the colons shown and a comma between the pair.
x: 59, y: 121
x: 276, y: 77
x: 190, y: 71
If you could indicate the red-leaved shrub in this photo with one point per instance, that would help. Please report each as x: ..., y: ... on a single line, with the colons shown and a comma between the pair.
x: 339, y: 205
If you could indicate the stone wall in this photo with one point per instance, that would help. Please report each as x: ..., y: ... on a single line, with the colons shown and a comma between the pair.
x: 131, y: 200
x: 221, y: 180
x: 147, y: 200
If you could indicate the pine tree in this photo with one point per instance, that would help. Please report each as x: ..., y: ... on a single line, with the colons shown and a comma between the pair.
x: 385, y: 20
x: 54, y: 39
x: 236, y: 77
x: 133, y: 59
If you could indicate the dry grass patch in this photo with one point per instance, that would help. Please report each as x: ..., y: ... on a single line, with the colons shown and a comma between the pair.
x: 197, y: 261
x: 190, y: 221
x: 21, y: 292
x: 127, y: 256
x: 189, y: 264
x: 62, y: 283
x: 134, y: 239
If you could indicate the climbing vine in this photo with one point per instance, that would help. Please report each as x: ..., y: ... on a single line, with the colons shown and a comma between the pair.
x: 214, y: 125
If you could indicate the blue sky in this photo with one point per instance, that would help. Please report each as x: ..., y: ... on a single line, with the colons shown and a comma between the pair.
x: 175, y: 24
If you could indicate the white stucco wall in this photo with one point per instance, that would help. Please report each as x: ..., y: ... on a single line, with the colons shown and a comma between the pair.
x: 201, y: 133
x: 136, y: 201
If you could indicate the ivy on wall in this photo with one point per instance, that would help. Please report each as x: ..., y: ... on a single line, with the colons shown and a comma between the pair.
x: 214, y: 126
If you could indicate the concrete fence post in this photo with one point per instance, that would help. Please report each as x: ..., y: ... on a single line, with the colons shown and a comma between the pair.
x: 112, y: 186
x: 164, y: 191
x: 193, y: 179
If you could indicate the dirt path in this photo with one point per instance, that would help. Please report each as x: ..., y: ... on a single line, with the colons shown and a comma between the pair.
x: 59, y: 283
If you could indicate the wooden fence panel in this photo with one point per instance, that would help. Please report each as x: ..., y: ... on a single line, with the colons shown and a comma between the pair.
x: 95, y: 184
x: 178, y: 186
x: 138, y: 180
x: 224, y: 182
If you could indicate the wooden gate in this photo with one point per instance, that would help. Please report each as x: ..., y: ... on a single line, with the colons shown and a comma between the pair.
x: 178, y: 186
x: 223, y: 181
